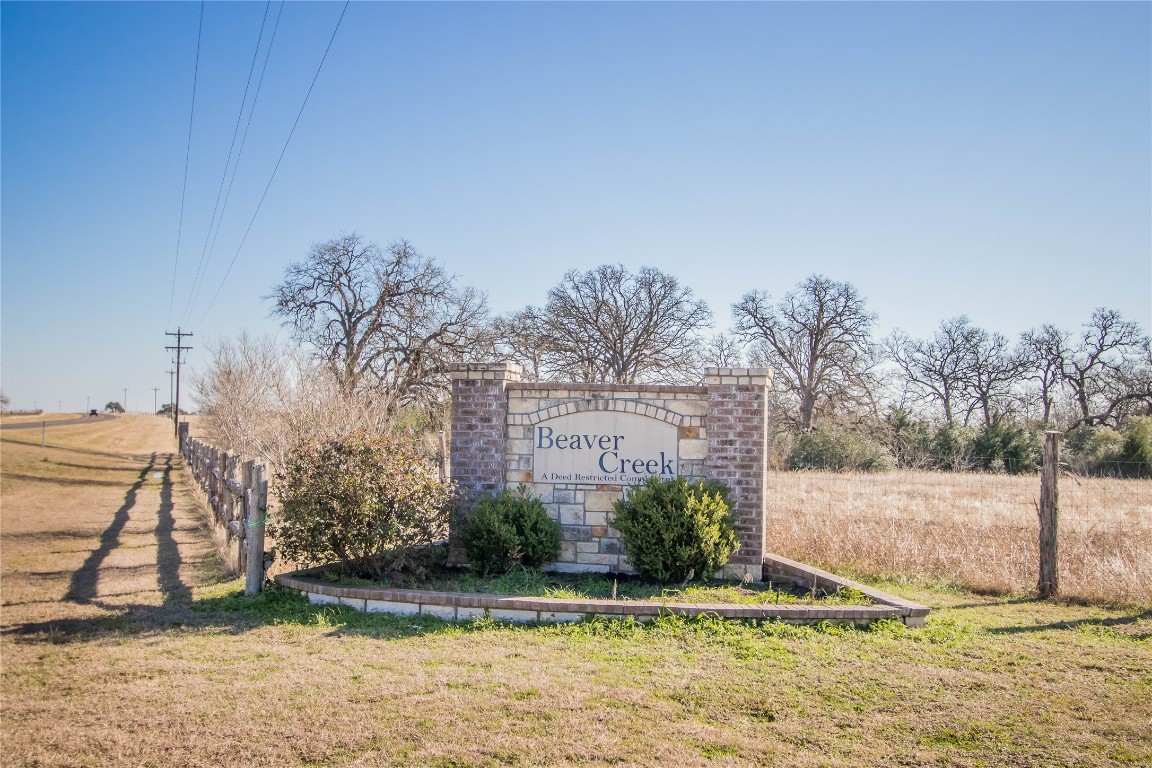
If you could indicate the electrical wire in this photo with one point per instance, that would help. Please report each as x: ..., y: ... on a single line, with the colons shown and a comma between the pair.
x: 275, y: 168
x: 217, y: 219
x: 187, y: 154
x: 248, y: 124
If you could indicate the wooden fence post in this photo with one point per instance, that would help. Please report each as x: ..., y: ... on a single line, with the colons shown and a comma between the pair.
x: 254, y: 533
x: 247, y: 501
x: 221, y: 475
x: 1049, y: 584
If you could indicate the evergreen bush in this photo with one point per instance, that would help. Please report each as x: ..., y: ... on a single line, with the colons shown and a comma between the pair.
x: 368, y: 503
x: 508, y: 529
x: 1135, y: 458
x: 673, y: 530
x: 952, y: 448
x: 831, y: 447
x: 1013, y: 447
x: 907, y: 439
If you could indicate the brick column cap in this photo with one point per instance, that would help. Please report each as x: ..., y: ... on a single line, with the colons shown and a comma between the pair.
x: 745, y: 376
x: 486, y: 371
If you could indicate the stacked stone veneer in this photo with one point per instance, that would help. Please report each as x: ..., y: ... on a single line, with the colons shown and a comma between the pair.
x: 722, y: 430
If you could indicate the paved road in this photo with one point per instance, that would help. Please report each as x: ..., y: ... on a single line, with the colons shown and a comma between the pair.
x: 62, y: 423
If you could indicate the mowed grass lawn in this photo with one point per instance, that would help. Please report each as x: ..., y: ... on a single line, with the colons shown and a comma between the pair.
x: 121, y: 645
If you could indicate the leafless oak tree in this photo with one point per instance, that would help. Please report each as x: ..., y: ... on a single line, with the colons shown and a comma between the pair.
x: 723, y: 350
x: 609, y: 325
x: 994, y: 371
x: 935, y: 369
x: 385, y: 319
x: 817, y: 340
x: 1042, y: 351
x: 1105, y: 370
x: 963, y: 368
x: 521, y: 339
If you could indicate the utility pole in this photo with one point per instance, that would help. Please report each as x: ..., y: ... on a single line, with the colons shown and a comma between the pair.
x: 154, y: 406
x: 171, y: 372
x: 125, y: 403
x: 176, y: 403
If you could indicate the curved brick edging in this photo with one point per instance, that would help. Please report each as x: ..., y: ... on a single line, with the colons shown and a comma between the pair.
x: 461, y: 606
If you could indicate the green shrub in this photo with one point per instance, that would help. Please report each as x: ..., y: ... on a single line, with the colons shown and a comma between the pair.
x: 508, y: 529
x: 952, y: 448
x: 1092, y: 449
x: 673, y: 530
x: 1135, y: 458
x: 1077, y: 442
x: 831, y: 447
x: 1004, y: 446
x: 368, y: 503
x: 907, y: 439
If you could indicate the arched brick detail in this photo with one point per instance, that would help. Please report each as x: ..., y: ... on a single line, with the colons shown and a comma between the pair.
x: 598, y: 404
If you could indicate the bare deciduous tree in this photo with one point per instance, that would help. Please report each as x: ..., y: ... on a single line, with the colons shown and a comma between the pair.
x: 388, y: 319
x: 937, y: 369
x: 994, y: 369
x: 1042, y: 354
x: 608, y: 325
x: 237, y: 394
x: 817, y: 340
x: 521, y: 339
x: 1106, y: 368
x: 723, y: 350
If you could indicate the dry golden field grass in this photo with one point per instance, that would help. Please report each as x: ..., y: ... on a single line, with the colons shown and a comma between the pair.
x: 121, y: 646
x: 978, y: 531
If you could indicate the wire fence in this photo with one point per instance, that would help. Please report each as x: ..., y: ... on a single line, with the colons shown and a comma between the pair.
x: 976, y: 530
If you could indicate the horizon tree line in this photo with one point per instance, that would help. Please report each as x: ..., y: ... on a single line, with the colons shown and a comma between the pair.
x: 381, y: 326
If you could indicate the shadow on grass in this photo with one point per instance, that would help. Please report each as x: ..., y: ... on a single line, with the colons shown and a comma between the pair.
x: 277, y: 606
x: 168, y: 557
x: 232, y: 613
x: 134, y: 457
x: 1116, y: 621
x: 83, y: 585
x: 1017, y: 600
x: 65, y: 481
x: 94, y: 467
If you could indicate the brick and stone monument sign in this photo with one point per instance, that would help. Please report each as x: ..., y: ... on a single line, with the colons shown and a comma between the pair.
x: 578, y: 446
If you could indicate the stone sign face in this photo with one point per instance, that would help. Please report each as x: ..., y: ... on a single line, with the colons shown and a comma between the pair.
x: 603, y: 448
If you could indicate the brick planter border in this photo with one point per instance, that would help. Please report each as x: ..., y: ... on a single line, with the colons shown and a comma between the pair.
x: 462, y: 606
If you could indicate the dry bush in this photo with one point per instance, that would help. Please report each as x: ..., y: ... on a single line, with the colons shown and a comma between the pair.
x: 259, y: 399
x: 978, y: 531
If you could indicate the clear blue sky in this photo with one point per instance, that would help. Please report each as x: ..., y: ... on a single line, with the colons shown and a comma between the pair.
x: 988, y: 159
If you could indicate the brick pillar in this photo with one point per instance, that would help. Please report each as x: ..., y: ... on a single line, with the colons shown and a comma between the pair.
x: 479, y: 432
x: 738, y: 423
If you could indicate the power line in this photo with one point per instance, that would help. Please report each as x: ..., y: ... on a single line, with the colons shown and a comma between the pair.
x: 187, y: 154
x: 218, y: 221
x: 277, y: 166
x: 248, y: 124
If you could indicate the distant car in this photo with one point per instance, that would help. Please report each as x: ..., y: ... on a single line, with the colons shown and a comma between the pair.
x: 93, y: 412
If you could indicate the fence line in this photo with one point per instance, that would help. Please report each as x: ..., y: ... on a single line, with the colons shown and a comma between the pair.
x: 237, y: 494
x: 976, y: 530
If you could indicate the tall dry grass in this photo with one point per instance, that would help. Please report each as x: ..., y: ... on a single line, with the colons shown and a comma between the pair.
x: 977, y: 531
